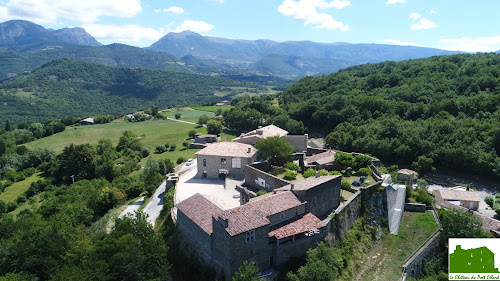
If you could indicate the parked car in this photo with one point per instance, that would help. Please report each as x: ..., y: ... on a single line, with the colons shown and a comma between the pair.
x: 189, y: 161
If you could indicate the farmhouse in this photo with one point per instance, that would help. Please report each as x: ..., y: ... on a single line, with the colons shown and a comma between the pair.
x: 267, y: 230
x: 408, y: 176
x: 224, y: 158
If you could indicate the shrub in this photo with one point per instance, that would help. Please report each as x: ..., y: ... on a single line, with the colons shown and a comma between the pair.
x: 180, y: 160
x: 21, y: 199
x: 323, y: 172
x: 160, y: 148
x: 336, y: 173
x: 423, y: 197
x: 489, y: 200
x: 309, y: 173
x: 146, y: 151
x: 261, y: 192
x: 185, y: 144
x: 11, y: 206
x: 173, y: 147
x: 291, y: 166
x: 177, y: 115
x: 393, y: 168
x: 364, y: 172
x: 345, y: 184
x: 290, y: 175
x: 3, y: 207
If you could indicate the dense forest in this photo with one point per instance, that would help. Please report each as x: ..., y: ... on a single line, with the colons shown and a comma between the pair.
x: 67, y: 87
x: 438, y: 112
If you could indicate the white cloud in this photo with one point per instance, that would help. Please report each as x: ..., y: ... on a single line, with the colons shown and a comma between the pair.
x: 195, y: 26
x: 172, y: 9
x: 432, y: 12
x: 467, y: 44
x: 396, y: 42
x: 52, y: 11
x: 307, y: 11
x: 415, y: 16
x: 390, y: 2
x: 423, y: 23
x: 123, y: 34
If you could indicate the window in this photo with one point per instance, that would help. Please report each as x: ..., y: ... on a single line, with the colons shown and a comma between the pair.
x: 236, y: 162
x: 223, y: 161
x: 204, y: 162
x: 250, y: 235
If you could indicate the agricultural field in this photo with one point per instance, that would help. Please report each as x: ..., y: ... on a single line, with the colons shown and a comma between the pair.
x: 187, y: 114
x: 212, y: 108
x: 151, y: 133
x: 13, y: 191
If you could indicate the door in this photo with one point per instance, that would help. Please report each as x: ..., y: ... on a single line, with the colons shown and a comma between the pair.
x: 271, y: 261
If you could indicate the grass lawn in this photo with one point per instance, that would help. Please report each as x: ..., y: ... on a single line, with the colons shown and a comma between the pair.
x: 12, y: 192
x: 212, y: 108
x: 151, y: 133
x: 346, y: 195
x: 187, y: 114
x: 385, y: 259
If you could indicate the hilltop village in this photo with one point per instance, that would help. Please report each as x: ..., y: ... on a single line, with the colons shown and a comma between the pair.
x: 230, y: 208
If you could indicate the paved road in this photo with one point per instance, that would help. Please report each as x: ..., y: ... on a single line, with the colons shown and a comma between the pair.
x: 154, y: 207
x: 132, y: 207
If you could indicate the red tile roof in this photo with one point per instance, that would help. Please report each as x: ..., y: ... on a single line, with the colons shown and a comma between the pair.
x: 309, y: 183
x: 200, y: 210
x: 230, y: 149
x: 254, y: 214
x: 296, y: 226
x: 322, y: 158
x: 449, y: 194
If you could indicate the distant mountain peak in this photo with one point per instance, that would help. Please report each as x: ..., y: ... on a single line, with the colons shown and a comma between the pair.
x: 21, y: 32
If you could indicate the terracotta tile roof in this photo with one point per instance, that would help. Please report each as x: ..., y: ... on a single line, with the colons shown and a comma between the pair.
x: 230, y: 149
x: 308, y: 183
x: 254, y: 214
x: 459, y: 195
x: 406, y: 172
x: 267, y: 131
x: 200, y: 210
x: 296, y: 226
x: 322, y: 158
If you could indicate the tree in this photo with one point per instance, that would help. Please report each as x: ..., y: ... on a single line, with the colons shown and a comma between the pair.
x: 214, y: 127
x: 423, y: 165
x: 203, y: 119
x: 177, y: 115
x: 8, y: 126
x: 160, y: 148
x: 246, y: 272
x: 274, y: 149
x: 459, y: 224
x: 185, y: 144
x: 191, y: 133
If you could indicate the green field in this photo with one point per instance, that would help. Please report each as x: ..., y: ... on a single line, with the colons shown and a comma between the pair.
x: 151, y: 133
x: 189, y: 115
x: 385, y: 259
x: 12, y: 192
x: 212, y: 108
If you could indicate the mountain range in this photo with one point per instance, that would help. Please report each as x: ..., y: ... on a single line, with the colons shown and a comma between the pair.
x: 25, y: 45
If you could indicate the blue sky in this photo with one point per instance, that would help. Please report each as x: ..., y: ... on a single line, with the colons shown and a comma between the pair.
x: 447, y: 24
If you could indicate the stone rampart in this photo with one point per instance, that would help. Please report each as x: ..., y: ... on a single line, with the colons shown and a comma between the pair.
x: 262, y: 180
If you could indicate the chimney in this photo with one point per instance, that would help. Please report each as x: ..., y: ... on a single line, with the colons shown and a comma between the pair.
x: 249, y: 150
x: 274, y: 191
x: 260, y: 132
x: 317, y: 174
x: 260, y: 127
x: 291, y: 186
x: 223, y: 222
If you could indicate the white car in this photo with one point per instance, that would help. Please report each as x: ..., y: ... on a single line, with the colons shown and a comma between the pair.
x: 189, y: 161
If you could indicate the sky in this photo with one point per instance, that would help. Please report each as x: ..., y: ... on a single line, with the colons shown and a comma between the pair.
x: 462, y: 25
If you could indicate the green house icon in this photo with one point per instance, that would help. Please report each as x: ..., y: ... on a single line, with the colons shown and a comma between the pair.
x: 479, y: 260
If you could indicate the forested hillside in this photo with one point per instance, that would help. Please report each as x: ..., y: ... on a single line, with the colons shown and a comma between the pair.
x: 67, y: 87
x: 440, y: 111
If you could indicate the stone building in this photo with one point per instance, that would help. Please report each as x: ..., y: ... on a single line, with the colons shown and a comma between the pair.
x: 261, y: 133
x: 467, y: 199
x: 224, y: 158
x: 268, y: 230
